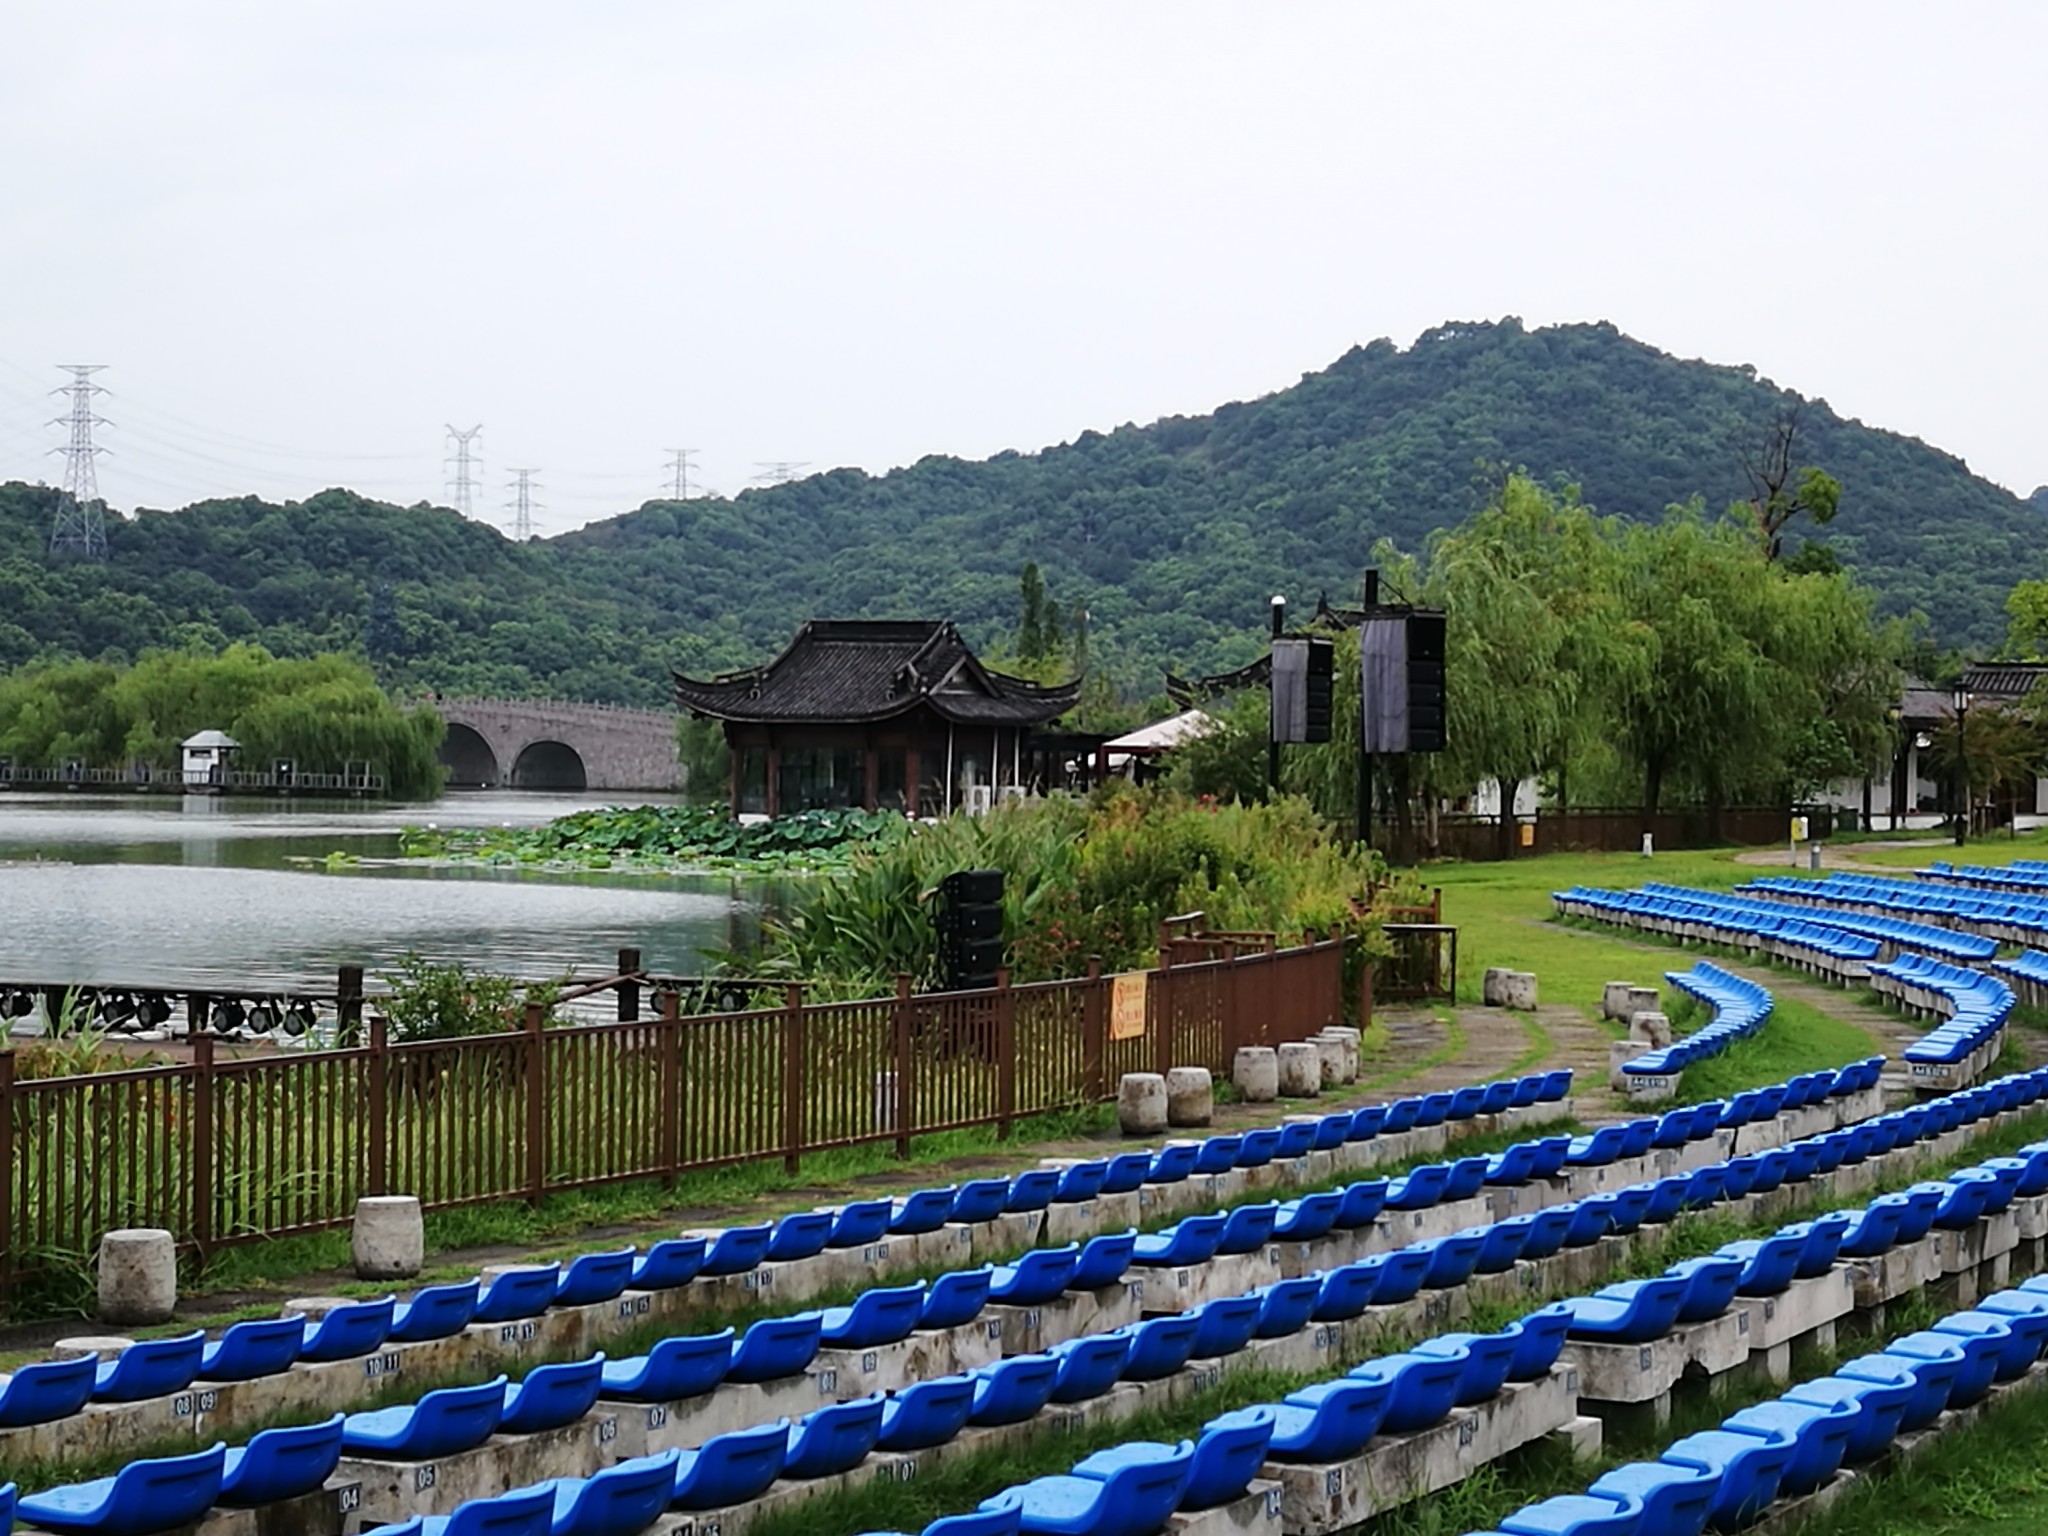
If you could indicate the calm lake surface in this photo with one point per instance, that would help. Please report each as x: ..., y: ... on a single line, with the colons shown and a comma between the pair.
x: 198, y: 891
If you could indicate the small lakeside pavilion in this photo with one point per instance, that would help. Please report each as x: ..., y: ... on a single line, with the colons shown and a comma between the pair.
x: 884, y: 714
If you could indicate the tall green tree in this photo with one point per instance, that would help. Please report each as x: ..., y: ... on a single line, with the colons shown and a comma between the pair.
x: 1781, y: 489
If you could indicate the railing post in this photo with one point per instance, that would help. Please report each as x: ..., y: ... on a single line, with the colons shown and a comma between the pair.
x: 671, y: 1045
x: 379, y: 1075
x: 9, y: 1242
x: 899, y: 1049
x: 536, y: 1105
x: 792, y: 1076
x: 348, y: 1005
x: 629, y: 990
x: 202, y: 1143
x: 1095, y: 1033
x: 1006, y: 1052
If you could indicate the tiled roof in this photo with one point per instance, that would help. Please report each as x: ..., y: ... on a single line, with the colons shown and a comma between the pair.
x: 2003, y: 679
x: 862, y: 669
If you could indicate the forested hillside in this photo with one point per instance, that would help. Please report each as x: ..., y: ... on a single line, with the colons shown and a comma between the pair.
x: 1171, y: 535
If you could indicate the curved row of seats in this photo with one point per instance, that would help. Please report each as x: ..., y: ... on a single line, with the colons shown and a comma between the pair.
x: 1794, y: 1444
x: 2027, y: 974
x: 2019, y: 875
x: 157, y: 1368
x: 1898, y: 932
x: 1977, y: 1005
x: 928, y: 1413
x: 1740, y: 1007
x: 1334, y: 1420
x: 2022, y: 918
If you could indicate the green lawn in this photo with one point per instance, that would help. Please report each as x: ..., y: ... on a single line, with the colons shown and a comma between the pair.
x: 1994, y: 850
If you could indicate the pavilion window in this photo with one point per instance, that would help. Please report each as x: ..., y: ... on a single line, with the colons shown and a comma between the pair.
x: 891, y: 784
x: 753, y: 781
x: 816, y: 778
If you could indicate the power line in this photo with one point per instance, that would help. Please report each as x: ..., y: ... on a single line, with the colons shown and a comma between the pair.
x: 522, y: 504
x: 778, y: 471
x: 465, y: 481
x: 81, y: 524
x: 679, y: 465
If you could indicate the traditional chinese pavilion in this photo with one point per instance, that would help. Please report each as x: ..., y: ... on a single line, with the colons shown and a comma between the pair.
x: 886, y: 714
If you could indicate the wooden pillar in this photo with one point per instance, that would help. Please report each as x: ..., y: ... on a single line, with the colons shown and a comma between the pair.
x: 734, y: 783
x: 869, y: 781
x: 912, y: 769
x: 774, y: 780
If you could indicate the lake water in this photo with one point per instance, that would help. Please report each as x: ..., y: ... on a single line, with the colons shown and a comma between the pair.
x: 199, y: 892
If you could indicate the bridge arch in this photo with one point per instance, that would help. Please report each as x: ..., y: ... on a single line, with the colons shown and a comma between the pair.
x: 548, y: 765
x: 469, y: 758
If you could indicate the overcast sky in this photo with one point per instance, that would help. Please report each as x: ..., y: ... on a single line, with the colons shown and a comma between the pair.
x: 305, y: 238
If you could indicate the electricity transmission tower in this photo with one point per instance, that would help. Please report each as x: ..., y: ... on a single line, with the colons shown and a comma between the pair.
x: 778, y: 471
x: 81, y: 524
x: 522, y: 504
x: 679, y: 465
x: 465, y: 467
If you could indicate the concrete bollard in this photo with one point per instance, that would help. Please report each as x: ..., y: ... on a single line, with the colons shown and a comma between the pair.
x: 1141, y: 1103
x: 1329, y: 1058
x: 1650, y: 1028
x: 388, y: 1241
x: 1190, y: 1096
x: 1615, y: 1000
x: 1519, y: 991
x: 1618, y: 1053
x: 1640, y: 1000
x: 1301, y: 1070
x: 103, y: 1346
x: 1493, y: 987
x: 138, y: 1276
x: 1348, y: 1037
x: 313, y: 1308
x: 1256, y: 1072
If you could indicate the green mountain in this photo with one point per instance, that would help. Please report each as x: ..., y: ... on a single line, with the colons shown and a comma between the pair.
x: 1172, y: 535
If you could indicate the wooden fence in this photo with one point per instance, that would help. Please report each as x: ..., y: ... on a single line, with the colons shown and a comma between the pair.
x: 221, y: 1151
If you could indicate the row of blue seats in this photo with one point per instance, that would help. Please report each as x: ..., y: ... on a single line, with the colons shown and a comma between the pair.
x: 2029, y: 965
x: 261, y: 1348
x: 1326, y: 1420
x: 1794, y: 1444
x: 454, y: 1419
x: 1634, y: 908
x: 1740, y: 1008
x: 2020, y: 874
x: 1890, y: 930
x: 1978, y: 1006
x: 1916, y: 897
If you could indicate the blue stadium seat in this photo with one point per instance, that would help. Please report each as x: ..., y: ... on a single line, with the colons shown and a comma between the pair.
x: 1399, y: 1274
x: 1036, y: 1277
x: 1191, y: 1240
x: 1419, y: 1188
x: 1013, y: 1390
x: 1927, y: 1380
x: 1173, y: 1165
x: 1879, y: 1407
x: 1134, y: 1500
x: 1310, y: 1217
x: 1103, y: 1260
x: 730, y: 1469
x: 529, y: 1512
x: 1224, y: 1325
x: 1247, y: 1228
x: 281, y: 1464
x: 1160, y: 1345
x: 883, y: 1315
x: 737, y: 1250
x: 1581, y: 1514
x: 1451, y: 1258
x: 595, y: 1277
x: 925, y: 1211
x: 1425, y: 1387
x: 518, y: 1293
x: 1346, y: 1291
x: 1819, y: 1434
x: 435, y: 1312
x: 1468, y: 1177
x: 980, y: 1200
x: 1257, y: 1148
x: 1539, y: 1340
x: 1127, y: 1170
x: 1486, y: 1357
x: 927, y: 1413
x: 956, y: 1297
x: 1033, y: 1189
x: 152, y: 1368
x: 1089, y: 1365
x: 551, y: 1396
x: 776, y: 1347
x: 439, y: 1424
x: 1749, y: 1470
x: 667, y: 1264
x: 1330, y: 1420
x: 1298, y: 1138
x: 143, y: 1496
x: 1980, y: 1353
x: 799, y: 1235
x: 1367, y: 1123
x: 861, y: 1222
x: 684, y: 1366
x: 47, y: 1389
x: 1630, y: 1312
x: 1217, y: 1154
x: 1286, y: 1306
x: 1080, y: 1181
x: 621, y: 1500
x: 1228, y: 1454
x: 248, y: 1350
x: 834, y: 1439
x: 1709, y: 1286
x: 1363, y: 1202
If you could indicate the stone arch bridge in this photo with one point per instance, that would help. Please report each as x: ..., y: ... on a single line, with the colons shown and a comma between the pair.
x: 553, y: 744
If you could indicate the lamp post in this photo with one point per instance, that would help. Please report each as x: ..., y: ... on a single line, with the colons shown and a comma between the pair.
x: 1960, y: 698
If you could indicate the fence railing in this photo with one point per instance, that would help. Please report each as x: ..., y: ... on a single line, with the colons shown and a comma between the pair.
x: 221, y: 1151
